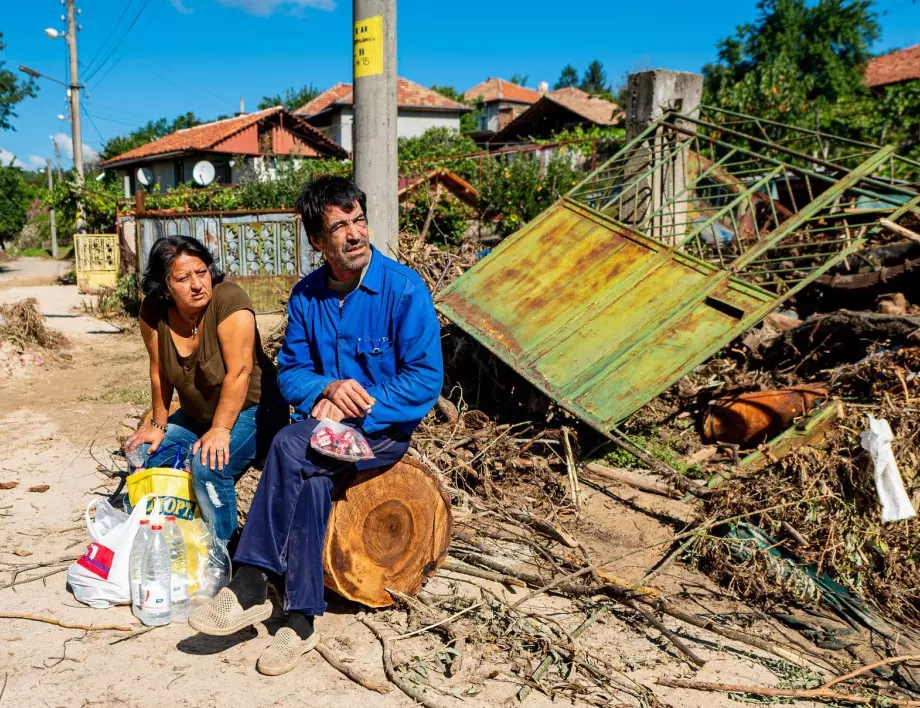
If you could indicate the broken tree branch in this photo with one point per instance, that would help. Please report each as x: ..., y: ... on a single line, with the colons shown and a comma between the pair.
x: 819, y: 694
x: 894, y: 228
x: 349, y: 672
x: 66, y: 625
x: 405, y: 686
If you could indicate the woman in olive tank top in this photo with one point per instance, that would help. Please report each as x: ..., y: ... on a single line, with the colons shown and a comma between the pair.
x: 203, y: 343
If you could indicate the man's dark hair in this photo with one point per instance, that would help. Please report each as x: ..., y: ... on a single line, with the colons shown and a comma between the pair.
x: 327, y: 190
x: 162, y: 256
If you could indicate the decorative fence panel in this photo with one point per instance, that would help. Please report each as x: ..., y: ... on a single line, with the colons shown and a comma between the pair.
x: 97, y: 261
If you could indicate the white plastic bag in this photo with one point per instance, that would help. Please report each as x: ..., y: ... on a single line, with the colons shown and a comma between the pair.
x: 340, y: 441
x: 100, y: 577
x: 895, y: 502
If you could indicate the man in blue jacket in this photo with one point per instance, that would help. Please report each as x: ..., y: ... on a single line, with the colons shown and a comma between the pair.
x: 362, y: 345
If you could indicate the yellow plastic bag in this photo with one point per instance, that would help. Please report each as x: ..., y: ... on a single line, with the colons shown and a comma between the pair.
x: 172, y: 496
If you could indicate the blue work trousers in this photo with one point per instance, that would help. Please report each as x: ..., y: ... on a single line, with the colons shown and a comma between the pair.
x: 286, y: 525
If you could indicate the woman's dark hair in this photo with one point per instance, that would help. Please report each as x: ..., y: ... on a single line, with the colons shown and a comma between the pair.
x: 327, y: 190
x: 162, y: 256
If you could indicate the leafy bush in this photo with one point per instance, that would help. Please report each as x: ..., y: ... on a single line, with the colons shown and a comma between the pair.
x: 449, y: 221
x: 123, y: 301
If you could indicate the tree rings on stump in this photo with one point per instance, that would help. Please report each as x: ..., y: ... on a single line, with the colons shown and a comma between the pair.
x: 389, y: 528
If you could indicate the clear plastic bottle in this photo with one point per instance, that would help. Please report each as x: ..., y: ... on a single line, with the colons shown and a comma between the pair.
x: 136, y: 562
x: 155, y: 584
x: 178, y: 561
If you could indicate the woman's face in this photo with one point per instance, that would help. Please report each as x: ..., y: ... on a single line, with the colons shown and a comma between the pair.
x: 189, y: 282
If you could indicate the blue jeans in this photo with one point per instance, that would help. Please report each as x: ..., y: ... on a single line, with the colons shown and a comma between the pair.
x: 286, y: 526
x: 214, y: 489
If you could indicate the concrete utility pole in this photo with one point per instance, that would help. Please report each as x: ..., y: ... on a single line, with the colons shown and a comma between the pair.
x: 375, y: 154
x: 54, y: 248
x: 74, y: 94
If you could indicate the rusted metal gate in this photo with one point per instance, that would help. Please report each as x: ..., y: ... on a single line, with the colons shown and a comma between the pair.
x: 661, y: 257
x: 266, y: 253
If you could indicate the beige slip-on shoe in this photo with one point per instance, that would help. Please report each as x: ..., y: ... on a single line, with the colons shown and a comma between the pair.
x: 285, y: 651
x: 223, y: 615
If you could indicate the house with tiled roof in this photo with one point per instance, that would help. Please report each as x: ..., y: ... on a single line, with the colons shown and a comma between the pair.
x: 894, y: 68
x: 241, y: 148
x: 502, y: 101
x: 417, y: 110
x: 556, y: 111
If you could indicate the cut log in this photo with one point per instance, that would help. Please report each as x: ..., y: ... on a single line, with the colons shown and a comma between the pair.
x: 389, y: 528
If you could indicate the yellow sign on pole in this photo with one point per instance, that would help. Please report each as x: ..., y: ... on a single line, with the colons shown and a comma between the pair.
x: 368, y: 46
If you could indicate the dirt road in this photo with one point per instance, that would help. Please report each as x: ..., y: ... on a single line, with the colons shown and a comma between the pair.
x: 57, y: 428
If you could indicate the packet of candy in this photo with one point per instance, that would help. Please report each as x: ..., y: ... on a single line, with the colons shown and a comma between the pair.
x: 340, y: 441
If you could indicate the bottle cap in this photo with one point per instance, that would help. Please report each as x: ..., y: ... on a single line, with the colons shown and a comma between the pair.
x: 156, y: 527
x: 170, y: 518
x: 145, y: 521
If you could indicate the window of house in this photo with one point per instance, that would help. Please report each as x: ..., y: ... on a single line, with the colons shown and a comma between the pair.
x: 222, y: 171
x: 179, y: 172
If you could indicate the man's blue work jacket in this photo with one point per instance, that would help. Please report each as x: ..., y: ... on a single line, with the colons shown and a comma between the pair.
x: 385, y: 336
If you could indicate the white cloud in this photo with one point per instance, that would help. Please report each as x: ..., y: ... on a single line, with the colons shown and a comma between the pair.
x: 178, y: 4
x: 265, y: 8
x: 36, y: 162
x: 65, y: 145
x: 6, y: 156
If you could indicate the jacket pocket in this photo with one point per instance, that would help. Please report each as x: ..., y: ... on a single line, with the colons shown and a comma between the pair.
x: 377, y: 358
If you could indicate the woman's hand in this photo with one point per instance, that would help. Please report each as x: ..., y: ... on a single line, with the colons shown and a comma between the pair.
x: 145, y: 434
x: 214, y: 446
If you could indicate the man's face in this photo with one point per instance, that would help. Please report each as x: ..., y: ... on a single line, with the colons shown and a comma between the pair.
x: 344, y: 242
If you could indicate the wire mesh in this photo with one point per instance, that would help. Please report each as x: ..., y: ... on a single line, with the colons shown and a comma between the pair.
x: 768, y: 205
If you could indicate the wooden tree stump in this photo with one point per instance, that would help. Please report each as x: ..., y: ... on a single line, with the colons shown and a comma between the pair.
x: 389, y: 528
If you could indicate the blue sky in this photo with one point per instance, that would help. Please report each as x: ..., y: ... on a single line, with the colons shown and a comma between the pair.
x: 203, y: 55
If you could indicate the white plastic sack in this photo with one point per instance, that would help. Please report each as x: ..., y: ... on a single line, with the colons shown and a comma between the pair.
x: 895, y: 502
x: 100, y: 578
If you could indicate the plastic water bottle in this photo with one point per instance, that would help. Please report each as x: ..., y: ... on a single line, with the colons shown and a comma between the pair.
x: 155, y: 583
x: 136, y: 563
x: 178, y: 564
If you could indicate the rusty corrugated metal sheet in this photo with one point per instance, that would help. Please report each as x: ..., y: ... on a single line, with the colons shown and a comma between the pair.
x: 603, y: 318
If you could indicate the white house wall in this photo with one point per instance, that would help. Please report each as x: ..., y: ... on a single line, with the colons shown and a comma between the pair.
x: 411, y: 124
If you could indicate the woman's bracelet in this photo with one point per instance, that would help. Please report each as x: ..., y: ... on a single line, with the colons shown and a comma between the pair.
x: 157, y: 426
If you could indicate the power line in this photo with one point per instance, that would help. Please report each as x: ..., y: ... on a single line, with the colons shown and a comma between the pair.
x: 111, y: 35
x: 121, y: 55
x: 95, y: 127
x: 124, y: 35
x: 223, y: 101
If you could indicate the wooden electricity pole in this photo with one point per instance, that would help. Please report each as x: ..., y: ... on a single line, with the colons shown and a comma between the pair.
x: 375, y: 154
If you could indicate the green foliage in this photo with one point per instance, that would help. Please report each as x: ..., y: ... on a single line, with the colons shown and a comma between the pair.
x: 438, y: 142
x: 14, y: 201
x: 795, y: 58
x: 518, y: 79
x: 595, y: 132
x: 12, y: 92
x: 449, y: 219
x: 594, y: 80
x: 153, y: 130
x: 283, y: 190
x: 568, y: 78
x: 449, y: 92
x: 513, y: 193
x: 292, y: 98
x: 123, y: 301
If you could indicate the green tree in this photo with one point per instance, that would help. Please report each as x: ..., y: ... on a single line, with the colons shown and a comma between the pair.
x: 12, y: 92
x: 794, y: 58
x: 595, y: 79
x: 153, y: 130
x: 292, y: 98
x: 518, y: 79
x: 568, y: 78
x: 438, y: 142
x: 14, y: 202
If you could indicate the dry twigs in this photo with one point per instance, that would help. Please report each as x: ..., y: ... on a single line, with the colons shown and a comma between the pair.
x: 349, y: 672
x: 66, y: 625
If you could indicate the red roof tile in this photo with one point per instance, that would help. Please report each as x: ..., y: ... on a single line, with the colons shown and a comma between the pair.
x: 894, y: 68
x: 500, y: 90
x: 207, y: 135
x: 597, y: 110
x: 408, y: 95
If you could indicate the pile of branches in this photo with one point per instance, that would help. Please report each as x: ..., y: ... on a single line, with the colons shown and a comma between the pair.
x: 22, y: 324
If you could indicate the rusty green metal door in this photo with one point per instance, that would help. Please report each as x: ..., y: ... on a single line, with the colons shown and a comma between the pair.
x: 603, y: 317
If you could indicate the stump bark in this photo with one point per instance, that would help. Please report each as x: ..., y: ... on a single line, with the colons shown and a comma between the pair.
x: 389, y: 528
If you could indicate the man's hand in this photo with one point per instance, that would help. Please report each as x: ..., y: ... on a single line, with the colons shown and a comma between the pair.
x: 326, y: 409
x: 350, y: 397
